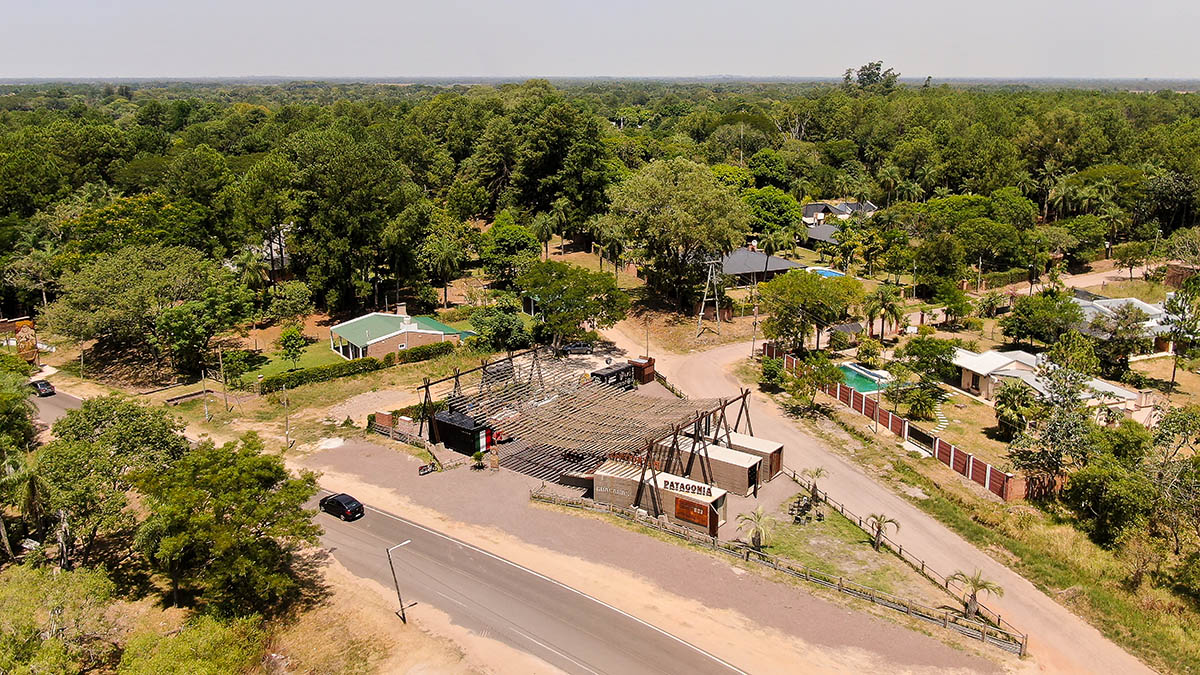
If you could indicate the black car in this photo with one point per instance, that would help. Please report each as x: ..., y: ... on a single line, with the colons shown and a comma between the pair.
x: 576, y: 348
x: 343, y: 506
x: 42, y: 388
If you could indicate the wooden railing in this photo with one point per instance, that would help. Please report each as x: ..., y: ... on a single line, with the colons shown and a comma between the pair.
x: 992, y: 633
x: 953, y: 588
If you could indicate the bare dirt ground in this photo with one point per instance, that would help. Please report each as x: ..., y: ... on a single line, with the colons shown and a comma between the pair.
x: 1059, y: 640
x: 358, y: 407
x: 355, y: 631
x: 762, y: 624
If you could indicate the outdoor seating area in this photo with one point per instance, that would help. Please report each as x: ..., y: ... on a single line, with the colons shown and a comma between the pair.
x: 801, y: 511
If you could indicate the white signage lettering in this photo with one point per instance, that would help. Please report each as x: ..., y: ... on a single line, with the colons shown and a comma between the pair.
x: 689, y: 488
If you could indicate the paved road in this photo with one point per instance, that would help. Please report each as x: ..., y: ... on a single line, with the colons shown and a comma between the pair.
x: 50, y: 408
x: 1059, y: 640
x: 502, y: 600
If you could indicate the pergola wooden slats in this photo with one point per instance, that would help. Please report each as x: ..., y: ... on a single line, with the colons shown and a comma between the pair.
x: 547, y: 403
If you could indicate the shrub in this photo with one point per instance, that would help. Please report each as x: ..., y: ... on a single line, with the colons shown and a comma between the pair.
x: 389, y: 359
x: 424, y: 352
x: 926, y: 330
x: 772, y: 372
x: 417, y: 410
x: 12, y: 363
x: 461, y: 313
x: 295, y: 378
x: 838, y: 341
x: 973, y: 323
x: 1013, y: 276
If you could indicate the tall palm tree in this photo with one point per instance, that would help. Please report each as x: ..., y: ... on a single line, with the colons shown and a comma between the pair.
x: 560, y: 216
x: 445, y: 259
x: 543, y: 229
x: 1025, y: 183
x: 886, y: 303
x: 878, y: 523
x: 814, y: 474
x: 1013, y: 401
x: 798, y: 233
x: 910, y: 191
x: 770, y: 244
x: 252, y: 270
x: 843, y: 184
x: 890, y: 178
x: 974, y: 585
x: 758, y: 526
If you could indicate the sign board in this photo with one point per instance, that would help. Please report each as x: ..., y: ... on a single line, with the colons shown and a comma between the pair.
x: 689, y: 487
x: 26, y: 339
x: 692, y: 512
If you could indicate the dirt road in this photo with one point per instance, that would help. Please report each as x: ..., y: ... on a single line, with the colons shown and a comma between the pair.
x: 1059, y: 640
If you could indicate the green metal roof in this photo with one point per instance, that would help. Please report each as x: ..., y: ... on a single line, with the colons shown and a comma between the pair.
x: 372, y: 327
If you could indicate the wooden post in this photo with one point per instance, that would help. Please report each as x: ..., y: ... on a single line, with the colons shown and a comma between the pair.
x: 224, y: 382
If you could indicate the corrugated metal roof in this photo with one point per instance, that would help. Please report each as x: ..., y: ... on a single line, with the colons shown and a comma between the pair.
x: 745, y: 261
x: 375, y: 326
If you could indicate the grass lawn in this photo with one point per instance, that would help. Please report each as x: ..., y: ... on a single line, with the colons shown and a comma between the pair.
x: 1147, y: 291
x: 1187, y: 381
x: 316, y: 354
x: 839, y: 547
x: 1045, y: 545
x: 973, y: 429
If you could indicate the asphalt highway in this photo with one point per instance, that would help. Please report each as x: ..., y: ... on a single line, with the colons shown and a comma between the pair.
x: 491, y: 596
x: 497, y: 598
x: 50, y: 408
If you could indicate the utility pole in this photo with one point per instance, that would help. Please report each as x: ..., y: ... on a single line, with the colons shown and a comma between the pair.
x: 287, y: 421
x: 400, y: 612
x: 754, y: 330
x: 224, y: 382
x: 204, y: 391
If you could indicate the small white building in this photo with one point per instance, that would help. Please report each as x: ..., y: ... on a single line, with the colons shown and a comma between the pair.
x: 982, y: 374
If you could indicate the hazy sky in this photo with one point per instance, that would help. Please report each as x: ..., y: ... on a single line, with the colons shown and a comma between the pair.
x: 797, y: 38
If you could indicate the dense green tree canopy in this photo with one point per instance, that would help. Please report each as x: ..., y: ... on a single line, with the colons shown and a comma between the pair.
x: 676, y: 216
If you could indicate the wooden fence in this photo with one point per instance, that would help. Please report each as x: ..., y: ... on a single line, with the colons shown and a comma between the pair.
x: 954, y: 588
x: 993, y: 633
x: 1003, y: 484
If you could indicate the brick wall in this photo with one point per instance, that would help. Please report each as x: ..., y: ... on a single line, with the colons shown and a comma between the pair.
x: 1004, y: 485
x: 406, y: 340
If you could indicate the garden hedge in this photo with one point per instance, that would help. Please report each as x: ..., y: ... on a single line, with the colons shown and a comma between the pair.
x: 12, y: 363
x: 424, y: 352
x: 295, y: 378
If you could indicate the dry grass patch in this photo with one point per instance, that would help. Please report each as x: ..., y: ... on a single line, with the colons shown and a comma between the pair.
x: 1146, y: 291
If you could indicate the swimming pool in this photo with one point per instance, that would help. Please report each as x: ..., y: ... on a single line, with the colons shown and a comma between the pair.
x: 826, y: 272
x: 860, y: 379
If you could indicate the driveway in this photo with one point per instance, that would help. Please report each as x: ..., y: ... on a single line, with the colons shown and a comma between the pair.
x: 1059, y: 640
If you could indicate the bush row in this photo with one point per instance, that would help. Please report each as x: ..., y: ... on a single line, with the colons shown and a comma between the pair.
x: 295, y: 378
x: 424, y: 352
x: 998, y: 279
x: 12, y: 363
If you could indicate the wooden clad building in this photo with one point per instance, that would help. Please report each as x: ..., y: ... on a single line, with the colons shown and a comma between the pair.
x: 771, y: 452
x: 684, y: 501
x: 732, y: 471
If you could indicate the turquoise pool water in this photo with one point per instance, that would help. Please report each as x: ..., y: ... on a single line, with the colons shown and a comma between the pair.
x: 829, y: 273
x: 857, y: 381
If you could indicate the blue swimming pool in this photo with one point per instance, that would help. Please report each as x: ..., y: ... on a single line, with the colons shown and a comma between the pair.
x: 859, y: 380
x: 828, y: 272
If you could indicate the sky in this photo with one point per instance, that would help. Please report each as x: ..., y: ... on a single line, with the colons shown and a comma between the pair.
x: 619, y: 38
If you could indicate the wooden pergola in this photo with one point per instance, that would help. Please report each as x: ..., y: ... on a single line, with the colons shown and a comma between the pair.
x: 547, y: 407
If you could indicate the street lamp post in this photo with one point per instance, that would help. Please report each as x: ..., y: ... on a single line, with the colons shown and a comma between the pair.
x: 395, y: 581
